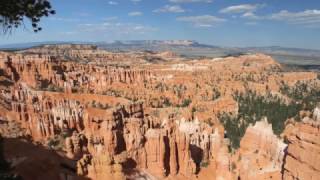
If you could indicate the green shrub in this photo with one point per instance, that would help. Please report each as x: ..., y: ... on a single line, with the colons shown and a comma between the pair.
x: 252, y: 108
x: 204, y: 164
x: 57, y: 142
x: 166, y: 102
x: 304, y: 93
x: 185, y: 103
x: 215, y: 94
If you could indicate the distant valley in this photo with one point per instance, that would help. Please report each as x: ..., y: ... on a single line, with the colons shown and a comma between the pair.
x: 192, y: 49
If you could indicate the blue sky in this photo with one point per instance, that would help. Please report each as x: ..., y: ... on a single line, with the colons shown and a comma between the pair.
x: 233, y: 23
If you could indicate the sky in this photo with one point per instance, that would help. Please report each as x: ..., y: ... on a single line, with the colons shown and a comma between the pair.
x: 228, y: 23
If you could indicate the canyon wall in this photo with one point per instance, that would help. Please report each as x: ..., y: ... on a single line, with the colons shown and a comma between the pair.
x: 302, y: 159
x: 152, y: 120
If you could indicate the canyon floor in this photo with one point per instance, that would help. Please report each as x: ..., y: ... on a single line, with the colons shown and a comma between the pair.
x: 76, y: 112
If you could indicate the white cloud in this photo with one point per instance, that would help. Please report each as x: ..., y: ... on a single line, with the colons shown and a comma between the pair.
x: 135, y: 13
x: 118, y: 28
x: 136, y: 1
x: 242, y: 8
x: 190, y: 1
x: 113, y: 3
x: 307, y: 17
x: 247, y: 11
x: 169, y: 8
x: 202, y: 21
x: 252, y: 16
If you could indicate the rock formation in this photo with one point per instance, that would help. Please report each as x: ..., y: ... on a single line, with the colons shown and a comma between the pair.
x: 147, y: 114
x: 261, y: 153
x: 302, y: 156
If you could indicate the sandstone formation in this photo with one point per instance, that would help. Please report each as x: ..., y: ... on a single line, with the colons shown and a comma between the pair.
x: 261, y: 153
x: 302, y: 159
x: 150, y: 115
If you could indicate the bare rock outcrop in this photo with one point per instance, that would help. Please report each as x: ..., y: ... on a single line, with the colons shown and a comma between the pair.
x: 159, y: 120
x: 261, y: 153
x: 302, y: 159
x: 76, y: 146
x: 316, y: 114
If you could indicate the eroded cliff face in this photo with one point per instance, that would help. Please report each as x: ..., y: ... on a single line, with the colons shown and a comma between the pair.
x: 150, y: 120
x: 47, y: 72
x: 261, y: 153
x: 302, y: 156
x: 174, y: 147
